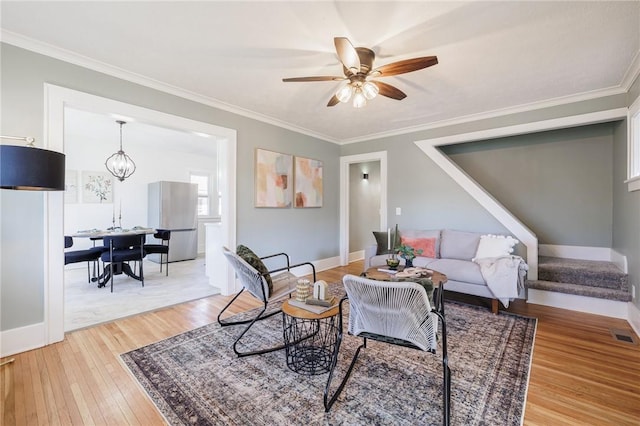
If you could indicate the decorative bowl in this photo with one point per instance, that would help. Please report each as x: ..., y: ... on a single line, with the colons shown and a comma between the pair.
x: 392, y: 263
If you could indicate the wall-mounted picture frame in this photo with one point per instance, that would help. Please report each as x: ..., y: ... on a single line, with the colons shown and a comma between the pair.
x: 307, y: 182
x: 273, y: 172
x: 97, y: 187
x: 70, y: 186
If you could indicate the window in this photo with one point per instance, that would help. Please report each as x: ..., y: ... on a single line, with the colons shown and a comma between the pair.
x: 204, y: 203
x: 633, y: 171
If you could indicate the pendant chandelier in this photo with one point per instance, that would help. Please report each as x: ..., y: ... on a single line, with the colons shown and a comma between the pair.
x: 120, y: 164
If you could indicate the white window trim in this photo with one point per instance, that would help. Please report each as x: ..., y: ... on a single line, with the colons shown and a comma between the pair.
x: 213, y: 197
x: 633, y: 146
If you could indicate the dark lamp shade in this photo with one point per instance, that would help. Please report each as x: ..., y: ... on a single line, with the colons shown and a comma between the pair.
x: 31, y: 169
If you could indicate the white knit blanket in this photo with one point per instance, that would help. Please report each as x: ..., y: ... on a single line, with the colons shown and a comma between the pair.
x: 504, y: 275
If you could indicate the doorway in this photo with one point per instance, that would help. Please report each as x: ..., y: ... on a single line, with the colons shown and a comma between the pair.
x: 160, y: 154
x: 56, y: 99
x: 346, y: 182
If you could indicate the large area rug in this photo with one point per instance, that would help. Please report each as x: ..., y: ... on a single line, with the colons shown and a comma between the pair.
x: 195, y: 378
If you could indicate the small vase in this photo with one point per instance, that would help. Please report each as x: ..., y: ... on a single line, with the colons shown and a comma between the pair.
x: 408, y: 263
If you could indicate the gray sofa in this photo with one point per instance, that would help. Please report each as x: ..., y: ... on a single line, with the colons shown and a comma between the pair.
x: 454, y: 251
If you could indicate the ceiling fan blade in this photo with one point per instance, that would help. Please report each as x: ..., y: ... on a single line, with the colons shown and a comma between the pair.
x: 317, y: 78
x: 389, y: 91
x: 347, y: 54
x: 333, y: 101
x: 402, y: 67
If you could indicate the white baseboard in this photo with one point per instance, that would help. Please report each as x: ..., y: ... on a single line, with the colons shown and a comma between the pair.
x: 573, y: 302
x: 356, y: 255
x: 22, y: 339
x: 584, y: 253
x: 620, y: 260
x: 634, y: 318
x: 320, y: 265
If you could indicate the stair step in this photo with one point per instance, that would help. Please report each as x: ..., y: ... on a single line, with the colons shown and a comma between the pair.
x: 581, y: 290
x: 585, y: 273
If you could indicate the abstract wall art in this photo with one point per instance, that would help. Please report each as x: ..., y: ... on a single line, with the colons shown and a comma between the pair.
x: 274, y: 173
x: 308, y: 182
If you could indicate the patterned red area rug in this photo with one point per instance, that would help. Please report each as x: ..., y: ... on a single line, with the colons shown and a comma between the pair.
x: 195, y: 378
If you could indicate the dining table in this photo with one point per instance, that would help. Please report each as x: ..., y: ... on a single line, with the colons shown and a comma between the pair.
x: 114, y: 268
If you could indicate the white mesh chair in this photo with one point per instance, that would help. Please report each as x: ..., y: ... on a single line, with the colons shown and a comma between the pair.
x: 284, y: 283
x: 397, y: 313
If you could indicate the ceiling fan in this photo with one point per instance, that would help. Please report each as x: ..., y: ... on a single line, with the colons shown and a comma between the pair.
x: 357, y: 64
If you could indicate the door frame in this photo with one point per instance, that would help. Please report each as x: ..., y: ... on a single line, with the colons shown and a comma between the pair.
x: 345, y: 162
x: 56, y: 98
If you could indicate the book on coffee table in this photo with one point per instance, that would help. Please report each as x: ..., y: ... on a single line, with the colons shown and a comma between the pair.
x: 321, y: 302
x: 388, y: 271
x: 316, y: 309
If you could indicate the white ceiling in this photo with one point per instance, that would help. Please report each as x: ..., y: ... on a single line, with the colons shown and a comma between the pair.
x: 91, y: 126
x: 493, y: 56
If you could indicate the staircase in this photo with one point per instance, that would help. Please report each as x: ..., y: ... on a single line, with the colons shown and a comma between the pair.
x: 590, y: 278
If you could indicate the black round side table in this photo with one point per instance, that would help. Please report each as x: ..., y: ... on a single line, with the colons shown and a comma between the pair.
x: 310, y: 339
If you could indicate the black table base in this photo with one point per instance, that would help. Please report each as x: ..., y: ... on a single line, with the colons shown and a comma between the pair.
x: 116, y: 268
x: 310, y: 344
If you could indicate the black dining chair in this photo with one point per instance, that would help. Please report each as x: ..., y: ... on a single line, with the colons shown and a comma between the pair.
x: 164, y: 235
x: 90, y: 255
x: 123, y: 249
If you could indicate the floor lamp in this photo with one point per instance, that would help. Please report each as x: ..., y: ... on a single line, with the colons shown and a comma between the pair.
x: 30, y: 168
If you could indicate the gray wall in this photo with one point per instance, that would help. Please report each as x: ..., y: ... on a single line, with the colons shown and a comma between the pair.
x: 558, y: 183
x: 314, y: 231
x: 364, y: 204
x: 428, y: 197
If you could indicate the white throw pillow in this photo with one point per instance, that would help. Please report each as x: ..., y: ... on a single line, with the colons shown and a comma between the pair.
x: 495, y: 246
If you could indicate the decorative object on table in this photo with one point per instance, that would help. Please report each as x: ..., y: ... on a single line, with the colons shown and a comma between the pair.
x: 97, y: 187
x: 274, y: 173
x: 408, y: 253
x: 491, y: 388
x: 320, y: 289
x: 30, y: 168
x: 308, y: 182
x: 303, y: 290
x: 321, y: 295
x: 120, y: 164
x: 357, y: 65
x: 393, y: 262
x: 412, y: 272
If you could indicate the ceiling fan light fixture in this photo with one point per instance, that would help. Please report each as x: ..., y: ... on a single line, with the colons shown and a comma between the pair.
x: 359, y: 100
x: 344, y: 93
x: 370, y: 90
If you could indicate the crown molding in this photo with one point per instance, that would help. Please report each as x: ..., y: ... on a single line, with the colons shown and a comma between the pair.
x: 563, y: 100
x: 65, y: 55
x: 632, y: 72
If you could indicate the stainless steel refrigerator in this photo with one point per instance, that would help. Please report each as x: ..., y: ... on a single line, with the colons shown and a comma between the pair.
x: 173, y: 206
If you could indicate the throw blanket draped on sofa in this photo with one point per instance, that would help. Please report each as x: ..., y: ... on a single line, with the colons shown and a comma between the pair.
x: 504, y: 275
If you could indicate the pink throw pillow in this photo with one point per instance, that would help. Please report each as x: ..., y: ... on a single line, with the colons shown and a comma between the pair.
x: 428, y: 245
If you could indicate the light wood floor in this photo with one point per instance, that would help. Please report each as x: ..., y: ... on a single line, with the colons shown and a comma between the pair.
x: 579, y: 375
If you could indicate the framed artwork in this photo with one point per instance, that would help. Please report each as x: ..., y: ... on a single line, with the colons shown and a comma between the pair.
x: 274, y: 173
x: 308, y: 182
x: 70, y: 186
x: 97, y: 187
